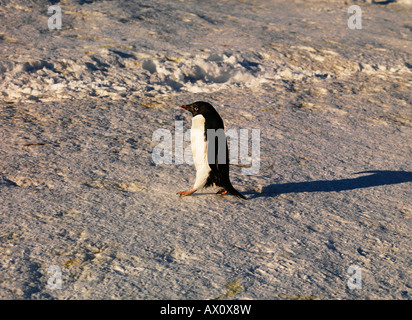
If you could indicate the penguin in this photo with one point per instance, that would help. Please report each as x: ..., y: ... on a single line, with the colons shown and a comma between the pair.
x: 209, y: 149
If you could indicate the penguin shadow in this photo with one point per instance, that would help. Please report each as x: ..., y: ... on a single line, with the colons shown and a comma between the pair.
x: 374, y: 179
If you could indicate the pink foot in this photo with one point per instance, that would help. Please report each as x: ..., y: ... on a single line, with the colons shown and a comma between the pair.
x: 222, y: 191
x: 186, y: 193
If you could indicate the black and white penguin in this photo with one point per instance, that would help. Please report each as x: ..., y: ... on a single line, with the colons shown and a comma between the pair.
x: 211, y: 158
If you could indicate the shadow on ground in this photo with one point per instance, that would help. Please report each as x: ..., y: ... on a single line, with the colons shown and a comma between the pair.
x: 374, y: 179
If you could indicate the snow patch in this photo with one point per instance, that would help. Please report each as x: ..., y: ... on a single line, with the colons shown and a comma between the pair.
x: 202, y: 73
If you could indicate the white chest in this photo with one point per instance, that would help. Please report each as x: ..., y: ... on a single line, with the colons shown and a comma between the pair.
x: 199, y: 150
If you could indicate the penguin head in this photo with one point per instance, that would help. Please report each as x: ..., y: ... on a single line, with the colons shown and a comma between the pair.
x: 200, y: 107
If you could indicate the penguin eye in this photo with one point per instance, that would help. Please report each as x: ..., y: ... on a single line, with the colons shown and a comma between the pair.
x: 196, y: 108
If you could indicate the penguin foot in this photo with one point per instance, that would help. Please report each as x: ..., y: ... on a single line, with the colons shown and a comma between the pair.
x: 222, y: 191
x: 186, y: 193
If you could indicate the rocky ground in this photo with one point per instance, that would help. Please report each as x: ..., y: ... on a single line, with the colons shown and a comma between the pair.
x: 80, y: 189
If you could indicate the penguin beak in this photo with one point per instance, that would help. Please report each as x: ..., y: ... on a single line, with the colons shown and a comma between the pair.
x: 188, y: 108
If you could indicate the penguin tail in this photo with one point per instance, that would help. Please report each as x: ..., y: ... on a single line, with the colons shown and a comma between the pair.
x: 234, y: 192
